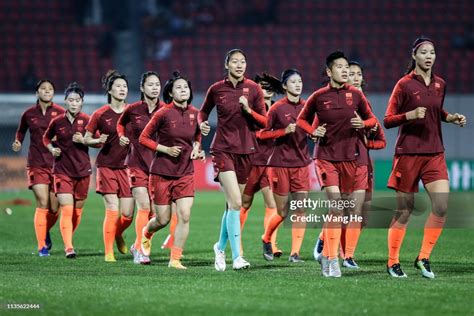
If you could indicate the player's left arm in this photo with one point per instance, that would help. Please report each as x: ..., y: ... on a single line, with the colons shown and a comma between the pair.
x: 257, y: 110
x: 455, y: 118
x: 368, y: 118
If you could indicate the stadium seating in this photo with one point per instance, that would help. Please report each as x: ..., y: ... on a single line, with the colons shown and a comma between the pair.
x: 378, y: 33
x: 45, y: 34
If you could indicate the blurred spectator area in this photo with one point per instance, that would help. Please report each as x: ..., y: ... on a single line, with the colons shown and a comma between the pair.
x: 193, y: 36
x: 56, y: 39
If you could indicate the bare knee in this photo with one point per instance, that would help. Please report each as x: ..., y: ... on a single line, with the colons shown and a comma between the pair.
x: 440, y: 208
x: 246, y: 201
x: 402, y: 216
x: 235, y: 203
x: 184, y: 217
x: 163, y: 219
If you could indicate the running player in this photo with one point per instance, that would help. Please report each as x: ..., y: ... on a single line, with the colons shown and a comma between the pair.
x: 112, y: 179
x: 240, y: 112
x: 369, y: 139
x: 139, y: 157
x: 288, y: 163
x: 258, y: 178
x: 343, y: 109
x: 72, y: 167
x: 416, y: 105
x: 172, y: 172
x: 39, y: 167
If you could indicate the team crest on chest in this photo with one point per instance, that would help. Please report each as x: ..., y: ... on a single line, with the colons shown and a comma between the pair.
x: 349, y: 99
x: 80, y: 122
x: 54, y: 113
x: 439, y: 93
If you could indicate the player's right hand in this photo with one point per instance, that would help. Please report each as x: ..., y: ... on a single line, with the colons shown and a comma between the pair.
x: 174, y: 151
x: 291, y: 128
x: 320, y: 131
x: 417, y: 113
x: 205, y: 128
x: 56, y: 151
x: 124, y: 141
x: 103, y: 138
x: 78, y: 138
x: 16, y: 146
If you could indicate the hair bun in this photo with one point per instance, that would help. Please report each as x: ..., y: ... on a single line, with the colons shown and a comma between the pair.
x: 176, y: 74
x: 110, y: 73
x: 73, y: 85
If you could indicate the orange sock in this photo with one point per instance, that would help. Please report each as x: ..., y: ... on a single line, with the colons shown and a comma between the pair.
x: 76, y: 218
x: 109, y: 229
x: 297, y: 235
x: 274, y: 222
x: 352, y: 233
x: 173, y: 223
x: 123, y: 224
x: 65, y: 225
x: 273, y: 240
x: 41, y: 225
x: 244, y: 213
x: 269, y: 212
x: 332, y: 238
x: 396, y: 233
x: 140, y: 221
x: 51, y: 218
x: 176, y: 253
x: 433, y: 228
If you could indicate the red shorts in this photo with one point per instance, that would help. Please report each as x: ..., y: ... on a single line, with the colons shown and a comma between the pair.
x: 258, y: 179
x: 224, y: 161
x: 346, y: 175
x: 78, y: 187
x: 407, y: 170
x: 137, y: 177
x: 113, y: 181
x: 164, y: 190
x: 39, y: 175
x: 286, y: 180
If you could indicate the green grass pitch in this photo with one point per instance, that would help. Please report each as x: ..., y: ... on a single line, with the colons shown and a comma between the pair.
x: 89, y: 286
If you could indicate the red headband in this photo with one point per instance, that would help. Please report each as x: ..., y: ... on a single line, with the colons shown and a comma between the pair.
x: 422, y: 43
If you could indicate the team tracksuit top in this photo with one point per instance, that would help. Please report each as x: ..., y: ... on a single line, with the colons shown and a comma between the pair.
x: 419, y: 136
x: 34, y: 120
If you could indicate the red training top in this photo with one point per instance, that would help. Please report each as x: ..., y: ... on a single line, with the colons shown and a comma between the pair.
x: 335, y: 108
x: 34, y: 120
x: 112, y: 155
x: 290, y: 150
x: 137, y: 115
x: 235, y: 129
x: 419, y: 136
x: 74, y: 159
x: 173, y: 126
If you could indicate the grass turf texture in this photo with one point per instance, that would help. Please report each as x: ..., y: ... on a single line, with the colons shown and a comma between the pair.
x: 88, y: 285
